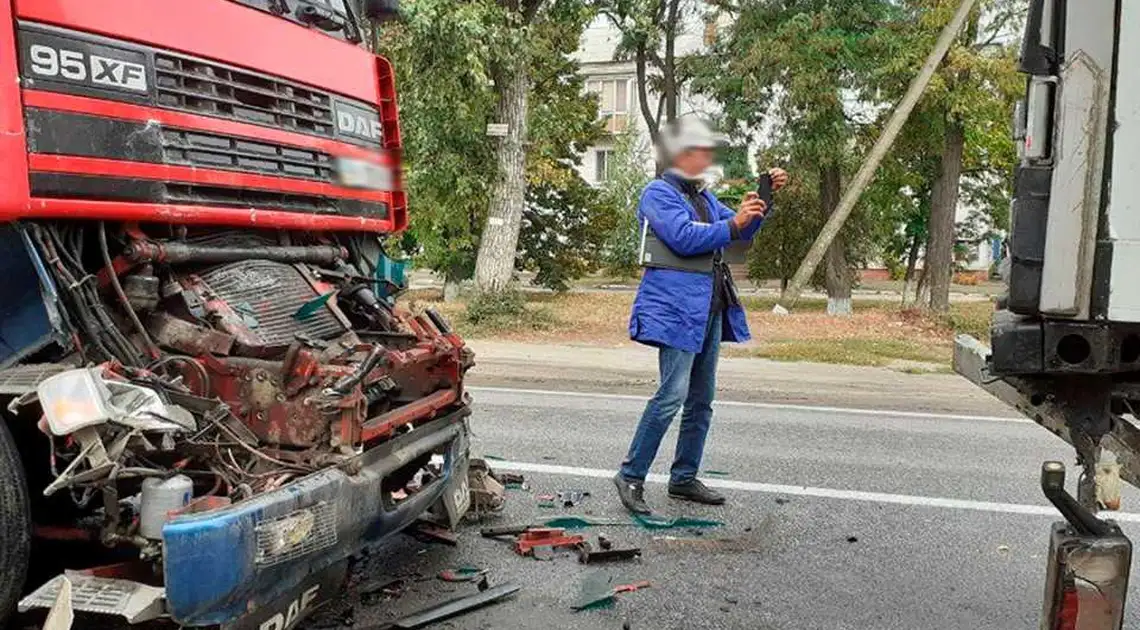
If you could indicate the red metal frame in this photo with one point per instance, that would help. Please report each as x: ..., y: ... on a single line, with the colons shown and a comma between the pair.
x: 223, y: 31
x: 40, y: 163
x: 217, y: 30
x: 202, y: 215
x: 13, y: 164
x: 167, y: 118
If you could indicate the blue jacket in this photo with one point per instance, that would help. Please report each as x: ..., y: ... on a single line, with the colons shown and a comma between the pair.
x: 672, y: 307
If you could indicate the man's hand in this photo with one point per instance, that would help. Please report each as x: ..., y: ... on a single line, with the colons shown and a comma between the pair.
x: 779, y: 178
x: 751, y: 209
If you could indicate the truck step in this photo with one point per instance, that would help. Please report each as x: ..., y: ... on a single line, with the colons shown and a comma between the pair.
x: 133, y: 601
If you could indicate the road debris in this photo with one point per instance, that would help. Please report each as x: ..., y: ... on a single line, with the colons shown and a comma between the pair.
x: 656, y: 521
x: 586, y: 555
x: 551, y: 537
x: 543, y: 553
x: 717, y: 473
x: 462, y: 574
x: 582, y: 522
x: 632, y: 587
x: 703, y: 544
x: 512, y: 481
x: 597, y: 590
x: 571, y: 498
x: 488, y: 496
x: 782, y: 501
x: 546, y: 500
x: 452, y: 608
x: 505, y: 530
x: 852, y: 539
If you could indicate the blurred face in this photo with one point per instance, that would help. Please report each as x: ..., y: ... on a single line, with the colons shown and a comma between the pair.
x: 694, y: 162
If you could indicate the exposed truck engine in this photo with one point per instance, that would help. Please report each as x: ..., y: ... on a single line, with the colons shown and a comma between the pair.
x: 205, y: 371
x: 1066, y: 337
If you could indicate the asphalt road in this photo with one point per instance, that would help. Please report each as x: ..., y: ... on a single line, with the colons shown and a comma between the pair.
x: 837, y: 519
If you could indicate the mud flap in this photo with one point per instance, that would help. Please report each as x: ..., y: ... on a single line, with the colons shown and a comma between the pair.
x: 289, y: 610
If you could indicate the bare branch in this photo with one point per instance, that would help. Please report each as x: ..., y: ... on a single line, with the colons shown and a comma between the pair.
x: 643, y: 94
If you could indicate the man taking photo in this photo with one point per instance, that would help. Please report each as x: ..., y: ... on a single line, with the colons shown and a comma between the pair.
x: 686, y: 313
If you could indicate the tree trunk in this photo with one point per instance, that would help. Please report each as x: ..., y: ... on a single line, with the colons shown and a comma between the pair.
x: 669, y: 72
x: 838, y: 277
x: 943, y: 207
x: 911, y: 265
x: 922, y: 289
x: 641, y: 66
x: 498, y: 246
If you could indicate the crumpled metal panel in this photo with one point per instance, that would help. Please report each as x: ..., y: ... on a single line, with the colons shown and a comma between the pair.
x: 105, y: 596
x: 265, y: 295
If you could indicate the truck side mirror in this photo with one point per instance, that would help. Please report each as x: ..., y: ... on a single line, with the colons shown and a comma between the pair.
x: 382, y: 10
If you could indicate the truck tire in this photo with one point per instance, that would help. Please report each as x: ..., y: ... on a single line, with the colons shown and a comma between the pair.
x: 15, y: 525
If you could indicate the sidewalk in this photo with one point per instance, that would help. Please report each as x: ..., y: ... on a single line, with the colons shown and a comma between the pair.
x: 420, y: 280
x: 632, y: 369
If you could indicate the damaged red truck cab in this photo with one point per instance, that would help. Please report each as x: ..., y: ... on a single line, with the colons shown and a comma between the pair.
x: 204, y: 371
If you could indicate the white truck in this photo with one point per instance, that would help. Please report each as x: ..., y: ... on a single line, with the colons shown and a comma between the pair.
x: 1065, y: 340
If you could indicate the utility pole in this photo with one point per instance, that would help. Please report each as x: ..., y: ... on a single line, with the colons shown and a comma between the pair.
x: 871, y: 164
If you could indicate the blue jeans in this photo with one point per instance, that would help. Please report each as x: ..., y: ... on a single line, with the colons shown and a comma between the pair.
x: 686, y: 379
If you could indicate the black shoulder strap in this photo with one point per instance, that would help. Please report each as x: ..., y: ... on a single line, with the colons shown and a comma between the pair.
x: 699, y: 203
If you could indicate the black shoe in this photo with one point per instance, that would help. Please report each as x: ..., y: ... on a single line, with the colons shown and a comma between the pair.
x: 696, y: 492
x: 632, y: 495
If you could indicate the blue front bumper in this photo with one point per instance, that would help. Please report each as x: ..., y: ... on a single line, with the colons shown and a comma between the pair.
x: 215, y: 571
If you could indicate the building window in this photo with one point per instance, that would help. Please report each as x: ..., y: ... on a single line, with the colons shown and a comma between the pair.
x: 613, y: 102
x: 602, y: 164
x: 710, y: 31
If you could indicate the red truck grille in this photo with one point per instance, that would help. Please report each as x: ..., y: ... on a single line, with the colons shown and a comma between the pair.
x: 217, y: 151
x: 214, y: 90
x: 221, y: 143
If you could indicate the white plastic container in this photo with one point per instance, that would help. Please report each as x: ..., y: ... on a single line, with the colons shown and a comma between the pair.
x: 159, y: 498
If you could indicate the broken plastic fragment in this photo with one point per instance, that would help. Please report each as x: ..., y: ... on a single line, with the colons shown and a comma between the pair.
x: 655, y: 521
x: 462, y: 574
x: 717, y: 473
x: 597, y: 591
x: 310, y: 308
x: 582, y: 522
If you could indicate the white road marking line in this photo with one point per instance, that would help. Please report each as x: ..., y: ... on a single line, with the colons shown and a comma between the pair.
x: 755, y: 405
x: 824, y: 493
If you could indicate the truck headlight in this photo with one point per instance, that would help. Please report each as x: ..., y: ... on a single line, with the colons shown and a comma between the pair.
x: 295, y: 534
x: 73, y: 400
x: 363, y: 174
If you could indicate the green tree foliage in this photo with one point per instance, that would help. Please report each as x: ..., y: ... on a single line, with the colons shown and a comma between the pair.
x: 802, y: 62
x: 445, y: 54
x: 956, y: 148
x: 620, y: 195
x: 565, y: 230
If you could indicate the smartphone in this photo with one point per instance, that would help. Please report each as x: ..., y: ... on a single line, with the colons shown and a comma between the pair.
x: 764, y: 188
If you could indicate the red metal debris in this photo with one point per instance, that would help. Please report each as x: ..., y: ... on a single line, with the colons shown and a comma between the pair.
x: 546, y: 537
